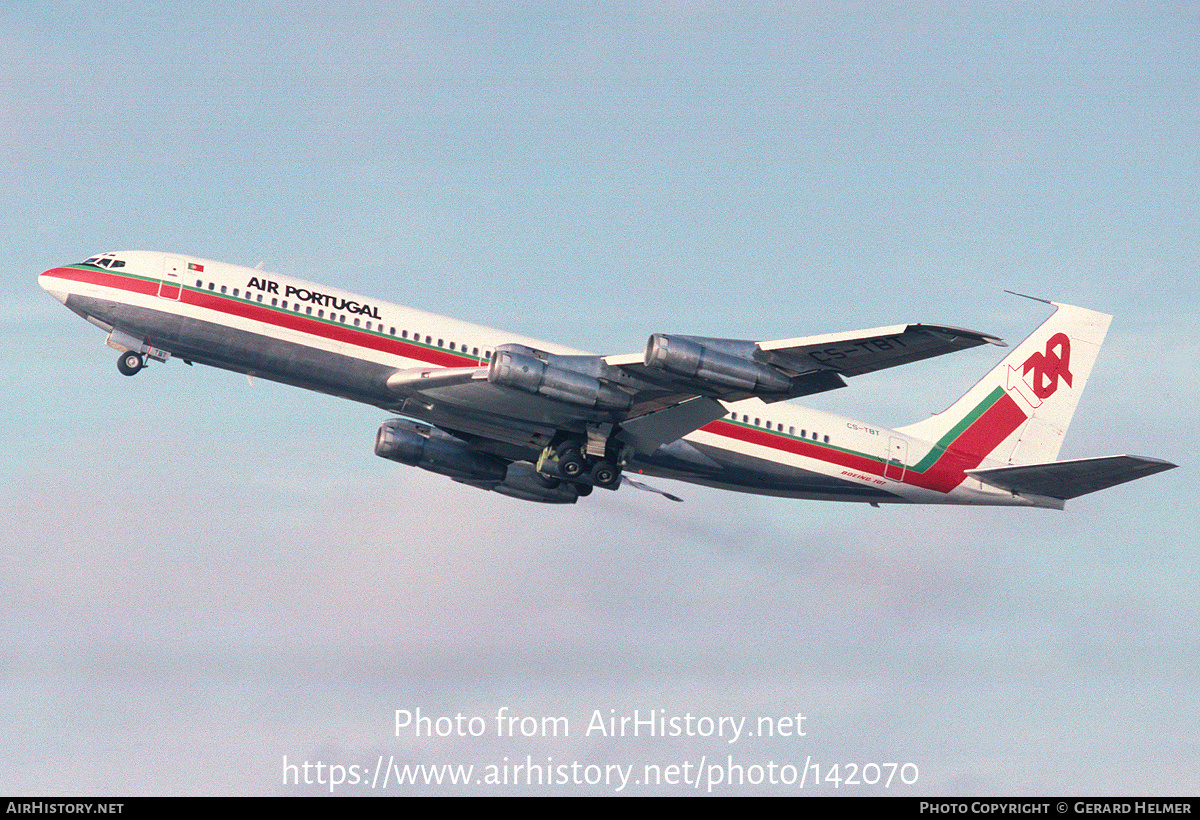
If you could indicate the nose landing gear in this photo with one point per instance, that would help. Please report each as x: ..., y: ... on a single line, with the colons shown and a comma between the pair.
x: 130, y: 363
x: 134, y: 351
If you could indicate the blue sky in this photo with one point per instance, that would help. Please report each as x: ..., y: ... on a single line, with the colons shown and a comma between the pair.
x: 205, y: 576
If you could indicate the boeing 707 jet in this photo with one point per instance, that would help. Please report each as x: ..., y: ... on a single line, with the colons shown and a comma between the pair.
x: 546, y: 423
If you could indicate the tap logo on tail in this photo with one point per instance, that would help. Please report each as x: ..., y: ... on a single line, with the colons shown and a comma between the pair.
x: 1038, y: 377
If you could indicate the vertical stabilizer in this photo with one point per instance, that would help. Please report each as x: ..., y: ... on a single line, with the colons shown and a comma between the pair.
x: 1019, y: 412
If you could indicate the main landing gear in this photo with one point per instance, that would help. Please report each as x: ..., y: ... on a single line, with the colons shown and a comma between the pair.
x: 567, y: 461
x: 130, y: 363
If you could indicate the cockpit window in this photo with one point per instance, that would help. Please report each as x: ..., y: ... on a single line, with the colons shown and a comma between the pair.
x: 106, y: 261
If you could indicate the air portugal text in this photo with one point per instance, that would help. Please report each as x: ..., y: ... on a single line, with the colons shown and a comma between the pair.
x: 315, y: 297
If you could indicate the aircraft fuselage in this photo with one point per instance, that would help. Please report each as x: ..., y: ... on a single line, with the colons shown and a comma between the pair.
x: 157, y: 305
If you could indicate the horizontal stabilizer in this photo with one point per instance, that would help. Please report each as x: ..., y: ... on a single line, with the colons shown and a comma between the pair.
x: 1069, y: 479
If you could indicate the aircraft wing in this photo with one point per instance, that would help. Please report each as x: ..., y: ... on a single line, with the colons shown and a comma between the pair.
x: 675, y: 386
x: 731, y: 369
x: 864, y: 351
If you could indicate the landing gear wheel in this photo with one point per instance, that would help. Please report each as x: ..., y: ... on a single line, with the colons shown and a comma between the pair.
x: 130, y: 363
x: 605, y: 474
x: 570, y: 463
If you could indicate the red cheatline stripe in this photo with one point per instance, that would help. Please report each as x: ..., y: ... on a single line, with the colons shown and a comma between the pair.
x: 272, y: 316
x: 966, y: 452
x: 974, y: 444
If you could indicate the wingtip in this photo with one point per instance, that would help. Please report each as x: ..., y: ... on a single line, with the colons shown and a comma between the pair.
x: 1155, y: 465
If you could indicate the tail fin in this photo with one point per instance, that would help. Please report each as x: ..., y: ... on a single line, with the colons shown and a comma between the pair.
x: 1019, y: 412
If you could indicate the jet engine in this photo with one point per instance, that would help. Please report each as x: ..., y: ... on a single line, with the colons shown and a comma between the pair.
x: 421, y: 445
x: 562, y: 378
x: 725, y: 362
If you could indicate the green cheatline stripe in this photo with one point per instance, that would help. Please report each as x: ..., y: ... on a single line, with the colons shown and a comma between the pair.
x: 117, y: 272
x: 945, y: 441
x: 925, y: 463
x: 823, y: 445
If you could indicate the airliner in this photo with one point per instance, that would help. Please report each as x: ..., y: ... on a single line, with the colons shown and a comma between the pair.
x: 547, y: 423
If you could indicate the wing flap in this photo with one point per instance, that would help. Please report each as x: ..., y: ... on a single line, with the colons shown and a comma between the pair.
x: 1073, y: 478
x: 648, y: 432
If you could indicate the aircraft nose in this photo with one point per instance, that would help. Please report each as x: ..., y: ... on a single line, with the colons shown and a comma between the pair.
x: 53, y: 284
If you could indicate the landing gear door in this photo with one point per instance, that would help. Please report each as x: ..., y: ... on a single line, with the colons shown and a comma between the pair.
x: 897, y: 457
x: 171, y: 285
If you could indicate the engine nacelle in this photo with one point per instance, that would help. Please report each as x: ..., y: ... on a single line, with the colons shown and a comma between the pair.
x: 684, y: 356
x: 524, y: 482
x: 421, y: 445
x: 544, y: 374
